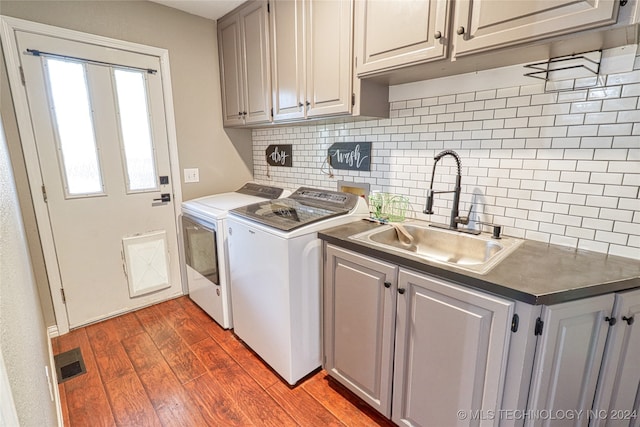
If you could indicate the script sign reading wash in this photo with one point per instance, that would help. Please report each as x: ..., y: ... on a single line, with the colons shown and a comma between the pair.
x: 355, y: 156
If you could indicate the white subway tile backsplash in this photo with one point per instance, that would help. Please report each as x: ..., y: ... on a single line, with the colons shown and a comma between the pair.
x: 559, y: 167
x: 608, y: 237
x: 619, y: 104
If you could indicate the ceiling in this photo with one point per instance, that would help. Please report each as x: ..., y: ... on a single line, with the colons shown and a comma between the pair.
x: 211, y: 9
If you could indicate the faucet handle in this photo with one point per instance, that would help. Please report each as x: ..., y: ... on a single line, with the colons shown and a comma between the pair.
x: 464, y: 220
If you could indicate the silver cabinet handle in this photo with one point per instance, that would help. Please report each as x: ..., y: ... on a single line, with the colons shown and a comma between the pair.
x: 437, y: 35
x: 460, y: 31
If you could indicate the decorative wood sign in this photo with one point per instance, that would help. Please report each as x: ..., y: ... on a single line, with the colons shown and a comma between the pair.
x: 279, y: 155
x: 355, y: 156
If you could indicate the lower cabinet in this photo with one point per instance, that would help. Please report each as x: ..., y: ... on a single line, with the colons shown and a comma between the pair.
x: 617, y: 401
x: 359, y: 324
x: 428, y: 352
x: 568, y: 358
x: 450, y: 342
x: 450, y: 352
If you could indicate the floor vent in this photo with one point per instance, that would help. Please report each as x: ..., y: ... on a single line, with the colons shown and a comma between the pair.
x: 69, y: 365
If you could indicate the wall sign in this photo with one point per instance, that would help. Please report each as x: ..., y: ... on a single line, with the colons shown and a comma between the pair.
x: 355, y: 156
x: 279, y: 155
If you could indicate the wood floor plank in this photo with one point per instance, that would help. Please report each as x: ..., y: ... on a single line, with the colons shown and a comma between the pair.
x: 250, y: 362
x: 202, y: 319
x: 110, y: 356
x: 128, y: 325
x: 130, y: 403
x: 216, y: 406
x: 259, y: 407
x: 171, y: 401
x: 87, y: 400
x: 153, y: 322
x: 63, y: 405
x: 215, y: 381
x: 343, y: 404
x: 175, y: 350
x: 303, y: 408
x: 185, y: 326
x: 184, y: 363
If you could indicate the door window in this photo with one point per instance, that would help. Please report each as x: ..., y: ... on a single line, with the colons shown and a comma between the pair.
x: 73, y: 122
x: 135, y: 130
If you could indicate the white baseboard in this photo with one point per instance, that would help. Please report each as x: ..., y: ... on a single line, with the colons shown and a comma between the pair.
x: 52, y: 332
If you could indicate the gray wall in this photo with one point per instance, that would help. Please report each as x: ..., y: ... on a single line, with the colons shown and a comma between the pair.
x: 224, y: 159
x: 23, y: 335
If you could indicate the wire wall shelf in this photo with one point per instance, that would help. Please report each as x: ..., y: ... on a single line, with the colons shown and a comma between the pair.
x: 569, y: 72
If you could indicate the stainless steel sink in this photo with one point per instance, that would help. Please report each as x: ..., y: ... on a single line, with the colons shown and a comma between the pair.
x: 475, y: 253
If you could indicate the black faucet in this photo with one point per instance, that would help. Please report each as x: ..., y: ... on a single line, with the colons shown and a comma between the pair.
x: 455, y: 214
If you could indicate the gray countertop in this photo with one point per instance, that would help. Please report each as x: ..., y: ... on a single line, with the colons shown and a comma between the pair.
x: 535, y: 273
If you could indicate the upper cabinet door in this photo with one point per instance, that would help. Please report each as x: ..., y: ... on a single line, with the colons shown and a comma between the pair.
x: 287, y: 51
x: 487, y: 24
x: 391, y: 34
x: 254, y: 21
x: 231, y: 71
x: 329, y: 56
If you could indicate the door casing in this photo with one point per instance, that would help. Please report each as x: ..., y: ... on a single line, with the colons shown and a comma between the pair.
x: 8, y: 25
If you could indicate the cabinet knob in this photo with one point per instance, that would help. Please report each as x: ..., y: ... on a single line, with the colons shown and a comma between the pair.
x: 244, y: 113
x: 387, y: 284
x: 308, y: 103
x: 460, y: 31
x: 401, y: 291
x: 629, y: 320
x: 300, y: 104
x: 611, y: 320
x: 437, y: 35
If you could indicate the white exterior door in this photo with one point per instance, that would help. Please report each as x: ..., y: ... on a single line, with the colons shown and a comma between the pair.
x: 102, y: 146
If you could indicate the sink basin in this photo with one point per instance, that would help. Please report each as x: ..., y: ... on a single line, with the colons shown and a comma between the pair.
x: 475, y: 253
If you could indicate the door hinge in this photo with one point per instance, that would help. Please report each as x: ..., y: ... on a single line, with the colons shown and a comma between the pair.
x: 623, y: 2
x: 272, y: 112
x: 268, y: 7
x: 515, y: 321
x: 64, y: 298
x: 539, y: 326
x: 22, y: 76
x: 44, y: 193
x: 353, y: 99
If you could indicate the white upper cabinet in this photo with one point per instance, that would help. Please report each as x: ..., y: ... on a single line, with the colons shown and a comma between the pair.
x: 311, y: 42
x: 392, y: 34
x: 481, y: 25
x: 243, y: 39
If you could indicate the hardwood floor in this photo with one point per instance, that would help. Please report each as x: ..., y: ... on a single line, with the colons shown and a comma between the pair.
x: 172, y: 365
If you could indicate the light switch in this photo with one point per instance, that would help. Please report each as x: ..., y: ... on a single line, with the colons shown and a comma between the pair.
x: 191, y: 175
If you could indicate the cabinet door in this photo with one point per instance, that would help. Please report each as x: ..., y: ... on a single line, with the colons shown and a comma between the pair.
x: 568, y: 357
x: 359, y: 322
x: 230, y: 47
x: 328, y: 63
x: 254, y: 21
x: 617, y: 402
x: 489, y: 24
x: 391, y: 34
x: 451, y: 352
x: 287, y: 52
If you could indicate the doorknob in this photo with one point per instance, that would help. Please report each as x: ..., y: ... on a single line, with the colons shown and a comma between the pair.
x: 164, y: 197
